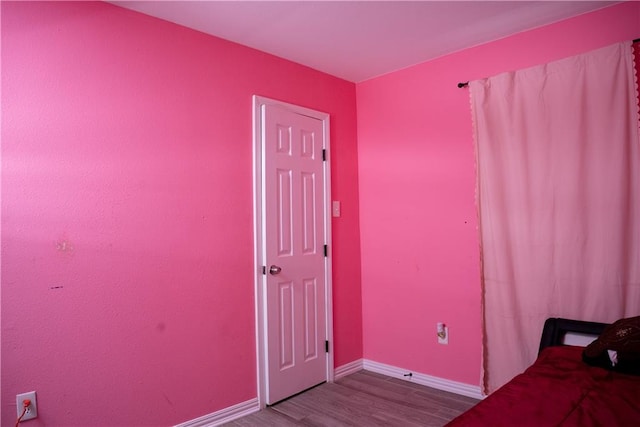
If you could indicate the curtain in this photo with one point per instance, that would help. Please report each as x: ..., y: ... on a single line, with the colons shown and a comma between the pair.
x: 636, y: 51
x: 558, y: 178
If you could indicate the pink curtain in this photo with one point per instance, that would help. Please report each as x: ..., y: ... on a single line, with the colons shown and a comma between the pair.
x: 559, y: 200
x: 636, y: 58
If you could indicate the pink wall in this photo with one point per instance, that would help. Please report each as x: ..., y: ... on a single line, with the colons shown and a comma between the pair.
x: 420, y: 258
x: 127, y: 247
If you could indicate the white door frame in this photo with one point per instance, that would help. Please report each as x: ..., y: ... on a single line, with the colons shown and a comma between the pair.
x: 259, y: 243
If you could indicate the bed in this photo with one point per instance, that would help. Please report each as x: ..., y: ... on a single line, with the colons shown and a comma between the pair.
x: 560, y: 388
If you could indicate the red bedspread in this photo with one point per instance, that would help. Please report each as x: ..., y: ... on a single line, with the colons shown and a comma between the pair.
x: 559, y: 389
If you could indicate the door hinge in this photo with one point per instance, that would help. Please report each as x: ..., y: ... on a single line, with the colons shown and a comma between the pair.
x: 264, y: 269
x: 326, y: 250
x: 324, y: 154
x: 326, y: 346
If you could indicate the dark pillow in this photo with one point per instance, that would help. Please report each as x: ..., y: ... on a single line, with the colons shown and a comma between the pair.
x: 623, y: 337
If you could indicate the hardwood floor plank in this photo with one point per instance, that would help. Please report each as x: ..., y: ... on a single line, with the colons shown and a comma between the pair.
x: 410, y: 394
x: 266, y: 418
x: 363, y: 399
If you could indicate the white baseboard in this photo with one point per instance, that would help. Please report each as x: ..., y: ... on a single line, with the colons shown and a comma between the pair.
x: 423, y: 379
x: 348, y: 369
x: 224, y: 415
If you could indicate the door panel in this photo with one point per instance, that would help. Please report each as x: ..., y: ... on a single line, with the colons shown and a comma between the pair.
x: 284, y: 213
x: 294, y: 232
x: 310, y: 319
x: 286, y: 341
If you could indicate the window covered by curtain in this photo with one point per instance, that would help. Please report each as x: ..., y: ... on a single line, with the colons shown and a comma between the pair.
x: 559, y: 200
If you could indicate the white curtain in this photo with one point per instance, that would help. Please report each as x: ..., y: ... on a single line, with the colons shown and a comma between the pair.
x: 559, y: 200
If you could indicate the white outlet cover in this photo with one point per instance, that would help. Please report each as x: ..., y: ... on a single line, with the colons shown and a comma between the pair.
x: 444, y: 340
x: 32, y: 410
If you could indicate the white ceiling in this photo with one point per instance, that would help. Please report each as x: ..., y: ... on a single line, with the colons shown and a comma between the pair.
x: 358, y: 40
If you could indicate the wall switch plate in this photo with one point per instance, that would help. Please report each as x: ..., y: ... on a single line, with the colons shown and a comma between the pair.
x: 32, y: 409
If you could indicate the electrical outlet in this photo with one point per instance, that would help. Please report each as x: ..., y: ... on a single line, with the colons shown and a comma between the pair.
x: 443, y: 333
x: 32, y: 409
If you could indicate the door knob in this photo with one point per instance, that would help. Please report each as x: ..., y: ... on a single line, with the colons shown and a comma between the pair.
x: 274, y: 269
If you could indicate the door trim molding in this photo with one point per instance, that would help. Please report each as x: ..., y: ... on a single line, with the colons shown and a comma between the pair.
x: 258, y: 244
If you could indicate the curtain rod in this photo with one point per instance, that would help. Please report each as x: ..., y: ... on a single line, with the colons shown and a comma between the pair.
x: 465, y: 84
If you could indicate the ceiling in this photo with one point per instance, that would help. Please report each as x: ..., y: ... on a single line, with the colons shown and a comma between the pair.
x: 359, y: 40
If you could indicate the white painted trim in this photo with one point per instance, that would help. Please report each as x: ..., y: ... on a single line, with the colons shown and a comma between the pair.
x: 224, y: 415
x: 261, y: 370
x: 348, y: 369
x: 423, y: 379
x: 259, y: 249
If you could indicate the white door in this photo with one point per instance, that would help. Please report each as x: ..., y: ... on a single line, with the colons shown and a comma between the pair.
x: 294, y: 280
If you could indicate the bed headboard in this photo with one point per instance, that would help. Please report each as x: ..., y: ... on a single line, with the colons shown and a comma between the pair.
x: 556, y: 329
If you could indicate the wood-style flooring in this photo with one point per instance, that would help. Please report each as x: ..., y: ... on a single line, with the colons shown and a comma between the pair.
x: 363, y: 399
